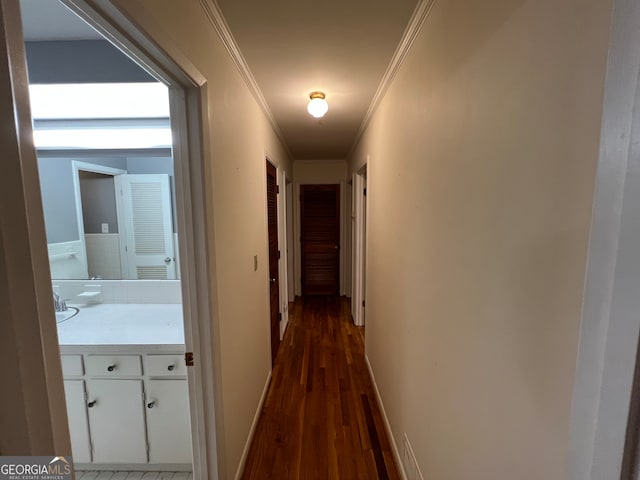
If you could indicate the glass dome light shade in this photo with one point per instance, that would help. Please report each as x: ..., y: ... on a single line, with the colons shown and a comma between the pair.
x: 317, y: 106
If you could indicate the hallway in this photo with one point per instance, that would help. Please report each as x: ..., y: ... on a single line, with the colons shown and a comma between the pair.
x: 320, y: 418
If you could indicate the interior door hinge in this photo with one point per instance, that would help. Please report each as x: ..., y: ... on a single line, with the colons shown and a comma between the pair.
x: 277, y: 188
x: 363, y: 303
x: 278, y: 254
x: 188, y: 359
x: 365, y: 192
x: 280, y: 316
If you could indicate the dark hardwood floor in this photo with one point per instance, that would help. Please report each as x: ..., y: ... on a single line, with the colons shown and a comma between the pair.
x: 320, y: 419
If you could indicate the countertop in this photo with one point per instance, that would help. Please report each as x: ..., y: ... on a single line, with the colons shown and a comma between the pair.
x: 123, y: 324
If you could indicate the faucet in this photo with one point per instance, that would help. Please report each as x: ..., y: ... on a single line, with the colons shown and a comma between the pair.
x: 59, y: 304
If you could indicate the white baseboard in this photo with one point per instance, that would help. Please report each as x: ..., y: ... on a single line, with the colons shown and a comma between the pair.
x: 252, y: 430
x: 283, y: 328
x: 285, y: 321
x: 387, y: 425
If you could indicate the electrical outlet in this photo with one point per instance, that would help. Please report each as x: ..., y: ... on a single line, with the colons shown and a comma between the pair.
x: 105, y: 228
x: 255, y: 263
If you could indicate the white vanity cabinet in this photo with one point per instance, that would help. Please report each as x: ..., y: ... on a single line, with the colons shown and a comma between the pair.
x: 74, y: 391
x: 167, y: 404
x: 168, y: 421
x: 116, y: 421
x: 126, y: 409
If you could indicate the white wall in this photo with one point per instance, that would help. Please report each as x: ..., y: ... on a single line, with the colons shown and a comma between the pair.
x: 317, y: 172
x: 239, y: 136
x: 482, y: 164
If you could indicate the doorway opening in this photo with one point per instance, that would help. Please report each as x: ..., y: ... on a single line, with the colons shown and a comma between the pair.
x: 291, y: 295
x: 136, y: 400
x: 359, y: 267
x: 320, y: 239
x: 274, y: 259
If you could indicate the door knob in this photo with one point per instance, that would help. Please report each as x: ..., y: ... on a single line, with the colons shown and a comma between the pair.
x: 167, y: 260
x: 171, y: 367
x: 151, y: 404
x: 111, y: 368
x: 273, y: 280
x: 91, y: 404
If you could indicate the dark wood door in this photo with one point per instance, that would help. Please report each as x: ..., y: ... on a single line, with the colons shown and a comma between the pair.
x: 320, y: 239
x: 274, y: 285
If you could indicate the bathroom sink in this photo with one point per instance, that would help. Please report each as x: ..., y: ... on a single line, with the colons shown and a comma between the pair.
x: 66, y: 315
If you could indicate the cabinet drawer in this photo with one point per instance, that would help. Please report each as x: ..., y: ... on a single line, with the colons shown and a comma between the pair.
x: 165, y: 365
x: 71, y: 365
x: 113, y: 365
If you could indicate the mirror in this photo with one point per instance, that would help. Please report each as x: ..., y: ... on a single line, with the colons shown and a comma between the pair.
x: 106, y: 177
x: 110, y: 218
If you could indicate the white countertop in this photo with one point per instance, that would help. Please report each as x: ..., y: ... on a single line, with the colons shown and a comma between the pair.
x: 123, y: 324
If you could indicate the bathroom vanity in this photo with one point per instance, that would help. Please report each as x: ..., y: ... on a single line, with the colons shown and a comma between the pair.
x: 125, y: 381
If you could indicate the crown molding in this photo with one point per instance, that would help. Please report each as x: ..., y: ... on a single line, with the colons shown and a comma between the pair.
x: 419, y: 16
x: 220, y: 25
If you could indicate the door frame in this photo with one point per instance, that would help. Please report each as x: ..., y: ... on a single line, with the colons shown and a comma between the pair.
x: 283, y: 246
x: 340, y: 287
x: 610, y: 326
x: 291, y: 295
x: 297, y: 252
x: 359, y: 248
x: 193, y: 184
x: 76, y: 168
x: 33, y: 415
x: 267, y: 160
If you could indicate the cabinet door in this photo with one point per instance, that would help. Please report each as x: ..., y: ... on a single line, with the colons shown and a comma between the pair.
x: 116, y: 420
x: 168, y: 421
x: 78, y: 426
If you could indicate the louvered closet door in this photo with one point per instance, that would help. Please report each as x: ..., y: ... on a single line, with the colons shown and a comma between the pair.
x: 320, y: 237
x: 144, y: 211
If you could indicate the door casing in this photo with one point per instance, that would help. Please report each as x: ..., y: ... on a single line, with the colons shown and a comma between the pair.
x: 309, y: 246
x: 359, y: 241
x: 273, y: 262
x: 188, y: 100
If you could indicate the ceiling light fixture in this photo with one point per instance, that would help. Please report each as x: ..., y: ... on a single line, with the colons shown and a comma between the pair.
x: 317, y: 106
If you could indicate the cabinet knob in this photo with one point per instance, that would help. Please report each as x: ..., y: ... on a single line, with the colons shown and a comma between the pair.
x: 91, y: 404
x: 171, y: 367
x: 151, y: 404
x: 111, y: 368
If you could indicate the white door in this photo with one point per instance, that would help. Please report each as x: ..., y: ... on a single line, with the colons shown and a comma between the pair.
x: 78, y: 426
x: 146, y: 223
x: 116, y: 420
x: 168, y: 424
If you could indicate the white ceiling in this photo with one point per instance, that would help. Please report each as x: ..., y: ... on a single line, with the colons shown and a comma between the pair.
x: 292, y: 47
x: 341, y: 47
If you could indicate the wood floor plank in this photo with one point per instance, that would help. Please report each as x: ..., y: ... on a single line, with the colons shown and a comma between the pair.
x: 150, y: 476
x: 181, y: 476
x: 320, y: 418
